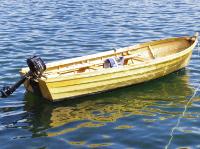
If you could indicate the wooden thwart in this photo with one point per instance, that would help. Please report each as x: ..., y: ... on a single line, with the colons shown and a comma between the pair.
x: 150, y: 52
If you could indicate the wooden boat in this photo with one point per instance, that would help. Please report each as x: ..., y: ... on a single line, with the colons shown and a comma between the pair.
x: 88, y: 74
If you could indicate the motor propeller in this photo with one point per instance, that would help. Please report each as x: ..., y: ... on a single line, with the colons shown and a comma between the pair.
x: 36, y: 66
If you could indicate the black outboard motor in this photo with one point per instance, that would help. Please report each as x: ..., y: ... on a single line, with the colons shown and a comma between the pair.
x: 36, y: 66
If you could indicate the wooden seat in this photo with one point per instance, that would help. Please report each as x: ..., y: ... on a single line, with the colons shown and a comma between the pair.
x: 137, y: 58
x: 134, y: 57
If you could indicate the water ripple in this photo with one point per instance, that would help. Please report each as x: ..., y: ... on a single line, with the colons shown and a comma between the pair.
x: 135, y: 117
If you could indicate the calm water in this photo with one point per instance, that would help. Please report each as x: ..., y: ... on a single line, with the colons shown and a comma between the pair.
x: 140, y: 116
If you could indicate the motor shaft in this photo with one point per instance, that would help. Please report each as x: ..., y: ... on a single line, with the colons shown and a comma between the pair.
x: 8, y: 90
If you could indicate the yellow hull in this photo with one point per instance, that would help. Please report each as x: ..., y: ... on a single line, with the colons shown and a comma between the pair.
x: 86, y: 75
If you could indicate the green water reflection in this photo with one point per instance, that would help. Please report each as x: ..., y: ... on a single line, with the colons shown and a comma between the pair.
x: 150, y: 99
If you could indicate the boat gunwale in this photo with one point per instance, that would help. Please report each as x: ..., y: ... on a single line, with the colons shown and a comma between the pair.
x: 125, y: 68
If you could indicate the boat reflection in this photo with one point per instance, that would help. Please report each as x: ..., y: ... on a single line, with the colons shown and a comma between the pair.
x: 148, y: 99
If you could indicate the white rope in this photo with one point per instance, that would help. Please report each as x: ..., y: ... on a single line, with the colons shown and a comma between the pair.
x: 184, y: 111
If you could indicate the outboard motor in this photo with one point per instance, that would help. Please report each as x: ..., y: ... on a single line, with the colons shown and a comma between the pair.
x: 36, y: 66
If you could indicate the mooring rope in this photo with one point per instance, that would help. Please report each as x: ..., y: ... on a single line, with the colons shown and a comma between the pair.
x: 185, y: 109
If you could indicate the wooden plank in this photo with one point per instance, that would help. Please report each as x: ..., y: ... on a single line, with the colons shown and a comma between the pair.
x: 137, y: 58
x: 151, y: 52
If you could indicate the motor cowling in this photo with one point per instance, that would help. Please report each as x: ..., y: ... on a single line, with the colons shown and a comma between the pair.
x: 36, y: 66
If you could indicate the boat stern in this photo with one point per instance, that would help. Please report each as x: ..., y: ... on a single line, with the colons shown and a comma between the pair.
x: 38, y: 87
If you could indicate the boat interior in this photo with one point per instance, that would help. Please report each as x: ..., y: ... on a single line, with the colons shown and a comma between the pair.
x: 133, y: 55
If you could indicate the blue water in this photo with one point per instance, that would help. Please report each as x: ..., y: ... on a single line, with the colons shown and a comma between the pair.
x: 140, y: 116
